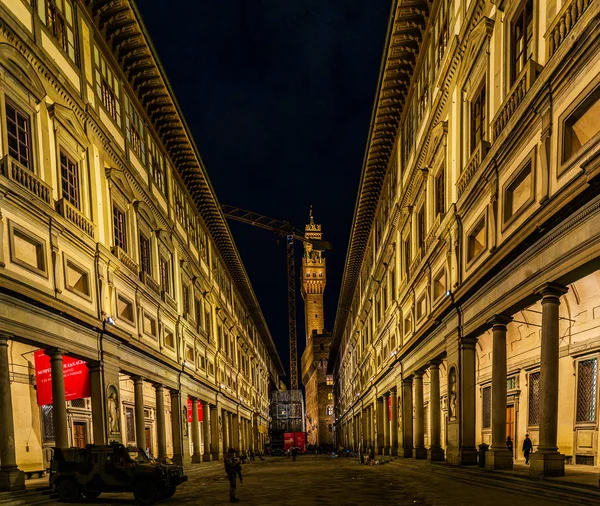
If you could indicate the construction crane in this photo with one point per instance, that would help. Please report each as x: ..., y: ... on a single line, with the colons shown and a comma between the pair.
x: 288, y: 232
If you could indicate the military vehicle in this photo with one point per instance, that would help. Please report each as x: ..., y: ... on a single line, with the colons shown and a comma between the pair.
x: 112, y: 468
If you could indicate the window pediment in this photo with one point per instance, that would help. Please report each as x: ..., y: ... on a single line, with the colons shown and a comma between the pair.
x: 20, y: 69
x: 66, y: 118
x: 479, y: 36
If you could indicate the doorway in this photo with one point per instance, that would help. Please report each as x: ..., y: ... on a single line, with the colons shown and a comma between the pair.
x: 510, y: 423
x: 79, y: 434
x: 148, y: 440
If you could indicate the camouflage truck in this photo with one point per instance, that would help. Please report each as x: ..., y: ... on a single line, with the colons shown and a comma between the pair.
x: 112, y: 468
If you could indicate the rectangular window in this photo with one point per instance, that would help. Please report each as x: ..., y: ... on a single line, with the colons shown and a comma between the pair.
x: 519, y: 192
x: 48, y: 423
x: 476, y: 242
x: 145, y: 257
x: 169, y: 339
x: 27, y: 250
x: 18, y: 131
x: 534, y: 399
x: 77, y: 279
x: 406, y: 250
x: 198, y: 312
x: 478, y: 118
x: 156, y: 163
x: 407, y: 137
x: 107, y: 87
x: 207, y: 325
x: 486, y: 403
x: 329, y: 380
x: 165, y: 274
x: 185, y: 299
x: 581, y: 126
x: 130, y: 425
x: 179, y: 203
x: 440, y: 193
x: 125, y: 309
x: 439, y: 284
x: 119, y: 228
x: 421, y: 227
x: 134, y: 130
x: 69, y: 175
x: 521, y: 39
x: 587, y: 390
x: 150, y: 325
x: 442, y: 31
x: 60, y: 20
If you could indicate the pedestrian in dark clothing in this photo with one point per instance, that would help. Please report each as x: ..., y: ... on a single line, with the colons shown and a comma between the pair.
x: 233, y: 468
x: 294, y: 453
x: 509, y: 445
x: 527, y: 447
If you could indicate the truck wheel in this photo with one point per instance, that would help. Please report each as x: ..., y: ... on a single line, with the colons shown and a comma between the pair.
x: 168, y: 492
x: 68, y: 491
x: 145, y: 493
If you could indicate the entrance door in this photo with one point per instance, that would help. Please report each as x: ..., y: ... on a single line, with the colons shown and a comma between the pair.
x: 79, y: 434
x: 148, y: 440
x: 510, y: 423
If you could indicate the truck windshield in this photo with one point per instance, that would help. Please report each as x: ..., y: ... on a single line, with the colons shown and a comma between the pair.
x: 137, y: 454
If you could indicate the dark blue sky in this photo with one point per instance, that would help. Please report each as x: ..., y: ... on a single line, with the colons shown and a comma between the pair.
x: 278, y: 95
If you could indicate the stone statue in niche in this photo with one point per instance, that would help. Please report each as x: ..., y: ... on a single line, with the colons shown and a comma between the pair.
x: 114, y: 425
x: 452, y: 394
x: 184, y: 420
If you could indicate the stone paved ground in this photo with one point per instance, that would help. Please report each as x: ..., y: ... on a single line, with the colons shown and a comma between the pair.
x: 326, y: 481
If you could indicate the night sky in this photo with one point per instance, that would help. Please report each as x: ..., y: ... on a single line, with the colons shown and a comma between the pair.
x: 278, y: 95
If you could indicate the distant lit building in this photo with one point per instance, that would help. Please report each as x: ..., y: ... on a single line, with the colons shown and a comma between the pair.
x: 115, y: 259
x: 471, y: 295
x: 317, y: 385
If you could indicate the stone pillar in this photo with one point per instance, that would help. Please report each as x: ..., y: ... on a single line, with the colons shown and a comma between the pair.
x: 99, y: 424
x: 59, y: 402
x: 235, y: 432
x: 11, y: 478
x: 386, y: 424
x: 547, y: 461
x: 467, y: 450
x: 161, y: 423
x: 226, y: 438
x: 407, y: 417
x: 498, y: 456
x: 380, y: 423
x: 436, y: 452
x: 419, y: 429
x: 206, y: 431
x: 394, y: 423
x: 140, y: 419
x: 197, y: 455
x: 179, y: 427
x: 372, y: 420
x: 216, y: 432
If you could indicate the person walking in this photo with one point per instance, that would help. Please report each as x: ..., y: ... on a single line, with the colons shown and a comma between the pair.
x: 294, y: 451
x: 233, y: 469
x: 527, y: 447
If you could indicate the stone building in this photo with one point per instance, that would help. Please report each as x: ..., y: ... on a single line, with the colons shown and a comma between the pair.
x: 469, y: 309
x: 317, y: 384
x: 115, y: 258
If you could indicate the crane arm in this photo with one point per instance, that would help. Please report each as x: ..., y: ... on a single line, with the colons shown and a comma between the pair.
x: 282, y: 228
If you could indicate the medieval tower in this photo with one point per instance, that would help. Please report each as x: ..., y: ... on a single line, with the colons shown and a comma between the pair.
x: 318, y: 386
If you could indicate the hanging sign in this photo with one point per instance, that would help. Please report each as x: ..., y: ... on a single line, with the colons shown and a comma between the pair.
x: 76, y: 375
x: 190, y: 411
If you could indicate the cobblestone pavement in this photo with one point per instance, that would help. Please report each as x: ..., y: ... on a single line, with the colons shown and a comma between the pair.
x: 326, y: 481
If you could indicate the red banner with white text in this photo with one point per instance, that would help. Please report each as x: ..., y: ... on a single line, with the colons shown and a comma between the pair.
x: 190, y: 411
x: 76, y: 374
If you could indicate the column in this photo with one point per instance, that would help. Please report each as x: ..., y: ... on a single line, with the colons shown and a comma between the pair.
x: 547, y: 461
x: 197, y: 455
x: 226, y: 439
x: 206, y: 431
x: 466, y: 401
x: 394, y: 422
x: 498, y: 456
x: 235, y: 431
x: 99, y: 424
x: 11, y: 478
x: 386, y: 424
x: 161, y: 423
x: 380, y: 438
x: 59, y: 402
x: 179, y: 427
x: 140, y: 418
x: 419, y: 429
x: 373, y: 427
x: 436, y: 452
x: 216, y: 436
x: 407, y: 417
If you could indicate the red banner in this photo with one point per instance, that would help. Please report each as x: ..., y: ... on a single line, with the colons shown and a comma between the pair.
x: 76, y: 374
x: 288, y: 440
x: 300, y: 438
x: 190, y: 411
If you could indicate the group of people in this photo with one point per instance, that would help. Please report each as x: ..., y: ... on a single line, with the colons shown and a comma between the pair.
x: 527, y: 447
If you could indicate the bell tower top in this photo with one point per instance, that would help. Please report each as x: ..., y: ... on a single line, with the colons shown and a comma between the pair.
x: 313, y: 279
